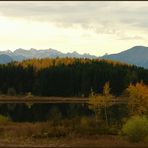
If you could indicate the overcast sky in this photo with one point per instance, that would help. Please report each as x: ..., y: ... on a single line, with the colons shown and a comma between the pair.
x: 86, y: 27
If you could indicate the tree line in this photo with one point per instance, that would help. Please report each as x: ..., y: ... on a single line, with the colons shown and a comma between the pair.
x: 68, y: 76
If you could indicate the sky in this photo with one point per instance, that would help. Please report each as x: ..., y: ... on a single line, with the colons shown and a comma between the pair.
x: 84, y: 26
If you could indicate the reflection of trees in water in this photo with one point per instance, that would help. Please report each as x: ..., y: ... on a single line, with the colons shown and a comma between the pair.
x: 42, y: 112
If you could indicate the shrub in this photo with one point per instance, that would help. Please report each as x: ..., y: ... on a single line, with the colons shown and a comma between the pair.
x: 89, y: 126
x: 48, y: 130
x: 87, y: 122
x: 136, y: 128
x: 4, y: 119
x: 11, y: 91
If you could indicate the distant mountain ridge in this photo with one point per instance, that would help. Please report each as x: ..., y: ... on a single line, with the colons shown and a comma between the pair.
x: 22, y: 54
x: 137, y: 55
x: 5, y: 59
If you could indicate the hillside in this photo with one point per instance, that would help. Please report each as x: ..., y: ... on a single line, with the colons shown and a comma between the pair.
x: 137, y: 55
x: 68, y: 77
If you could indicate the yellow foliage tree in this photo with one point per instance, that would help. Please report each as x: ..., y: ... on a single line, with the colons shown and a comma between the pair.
x: 138, y: 99
x: 98, y: 101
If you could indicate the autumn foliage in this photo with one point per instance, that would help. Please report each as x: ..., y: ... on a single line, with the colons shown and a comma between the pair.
x: 138, y: 99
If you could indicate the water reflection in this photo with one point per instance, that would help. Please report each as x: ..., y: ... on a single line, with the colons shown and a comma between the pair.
x: 21, y: 112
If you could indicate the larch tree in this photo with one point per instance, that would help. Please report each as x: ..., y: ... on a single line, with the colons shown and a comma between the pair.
x: 98, y: 101
x: 138, y: 99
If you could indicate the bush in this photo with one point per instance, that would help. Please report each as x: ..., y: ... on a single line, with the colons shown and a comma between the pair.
x: 89, y: 126
x: 136, y: 128
x: 4, y: 119
x: 88, y: 122
x: 11, y: 91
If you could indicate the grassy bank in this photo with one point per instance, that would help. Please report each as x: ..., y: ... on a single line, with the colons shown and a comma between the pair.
x: 82, y: 131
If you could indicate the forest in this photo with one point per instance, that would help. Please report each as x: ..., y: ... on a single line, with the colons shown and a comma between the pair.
x: 68, y: 76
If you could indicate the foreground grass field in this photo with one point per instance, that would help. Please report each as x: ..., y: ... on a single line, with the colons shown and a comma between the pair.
x: 61, y: 134
x: 89, y: 141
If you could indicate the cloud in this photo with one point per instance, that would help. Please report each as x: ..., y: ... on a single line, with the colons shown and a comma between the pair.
x: 120, y: 20
x: 82, y: 13
x: 135, y: 37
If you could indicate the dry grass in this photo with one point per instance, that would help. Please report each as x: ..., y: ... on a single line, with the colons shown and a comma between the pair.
x: 66, y: 133
x: 90, y: 141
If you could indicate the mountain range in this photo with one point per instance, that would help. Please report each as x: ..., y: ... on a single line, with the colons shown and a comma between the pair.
x: 22, y: 54
x: 137, y: 55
